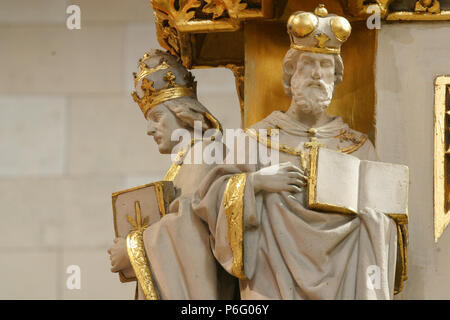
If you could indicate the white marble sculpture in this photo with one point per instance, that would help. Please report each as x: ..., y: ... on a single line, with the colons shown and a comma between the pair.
x: 176, y: 247
x: 254, y: 220
x: 263, y: 232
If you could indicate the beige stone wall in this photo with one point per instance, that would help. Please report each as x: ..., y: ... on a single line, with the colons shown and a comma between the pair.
x: 410, y: 56
x: 70, y: 135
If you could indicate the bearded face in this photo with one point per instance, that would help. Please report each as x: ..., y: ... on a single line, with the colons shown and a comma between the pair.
x: 312, y: 84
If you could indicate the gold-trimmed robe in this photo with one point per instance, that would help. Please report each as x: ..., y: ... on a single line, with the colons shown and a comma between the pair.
x: 179, y: 258
x: 289, y: 251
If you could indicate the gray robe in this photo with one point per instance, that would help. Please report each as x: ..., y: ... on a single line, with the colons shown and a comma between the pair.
x: 291, y: 252
x: 178, y: 249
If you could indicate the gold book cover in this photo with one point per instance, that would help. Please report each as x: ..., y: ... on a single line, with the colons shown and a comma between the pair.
x: 140, y: 206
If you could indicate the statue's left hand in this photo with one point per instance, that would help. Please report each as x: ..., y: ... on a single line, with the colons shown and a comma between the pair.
x: 119, y: 256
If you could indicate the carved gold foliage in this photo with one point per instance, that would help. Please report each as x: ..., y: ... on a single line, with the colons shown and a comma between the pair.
x: 216, y: 7
x: 184, y: 12
x: 359, y: 7
x: 176, y: 19
x: 166, y: 33
x: 345, y: 135
x: 234, y: 7
x: 431, y: 6
x: 348, y: 136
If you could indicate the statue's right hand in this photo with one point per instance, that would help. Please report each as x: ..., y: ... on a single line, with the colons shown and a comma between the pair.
x: 279, y: 177
x: 118, y: 255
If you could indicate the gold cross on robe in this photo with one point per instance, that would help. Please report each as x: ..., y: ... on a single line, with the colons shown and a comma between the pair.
x: 314, y: 145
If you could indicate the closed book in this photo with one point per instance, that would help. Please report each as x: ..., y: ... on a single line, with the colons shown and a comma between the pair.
x: 140, y: 206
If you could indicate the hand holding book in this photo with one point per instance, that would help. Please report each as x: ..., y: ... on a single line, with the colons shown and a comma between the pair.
x: 279, y: 177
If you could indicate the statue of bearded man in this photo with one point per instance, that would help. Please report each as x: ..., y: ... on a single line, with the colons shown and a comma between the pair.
x: 263, y: 231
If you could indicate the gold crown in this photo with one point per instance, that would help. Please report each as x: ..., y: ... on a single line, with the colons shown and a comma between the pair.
x: 172, y: 89
x: 318, y: 32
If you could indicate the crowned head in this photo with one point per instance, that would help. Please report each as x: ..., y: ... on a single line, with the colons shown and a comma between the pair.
x: 166, y: 94
x: 312, y: 67
x: 160, y: 78
x: 318, y: 32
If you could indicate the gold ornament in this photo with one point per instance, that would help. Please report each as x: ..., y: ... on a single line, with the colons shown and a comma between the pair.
x: 172, y: 90
x: 321, y: 40
x: 234, y: 211
x: 145, y: 71
x: 138, y: 257
x: 427, y: 6
x: 321, y: 11
x: 318, y: 32
x: 341, y: 28
x: 302, y: 24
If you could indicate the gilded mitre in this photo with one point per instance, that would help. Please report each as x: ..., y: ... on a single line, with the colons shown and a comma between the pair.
x: 318, y: 32
x: 161, y: 77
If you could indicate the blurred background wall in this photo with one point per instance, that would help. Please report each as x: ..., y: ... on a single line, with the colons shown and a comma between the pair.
x: 70, y: 135
x: 410, y: 57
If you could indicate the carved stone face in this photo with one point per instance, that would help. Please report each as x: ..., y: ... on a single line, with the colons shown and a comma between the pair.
x: 161, y: 122
x: 312, y: 83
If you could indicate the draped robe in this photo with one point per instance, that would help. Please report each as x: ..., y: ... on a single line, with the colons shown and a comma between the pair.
x: 178, y: 251
x: 278, y: 248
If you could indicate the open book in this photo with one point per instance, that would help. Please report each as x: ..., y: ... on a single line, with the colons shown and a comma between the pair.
x: 136, y: 207
x: 342, y: 183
